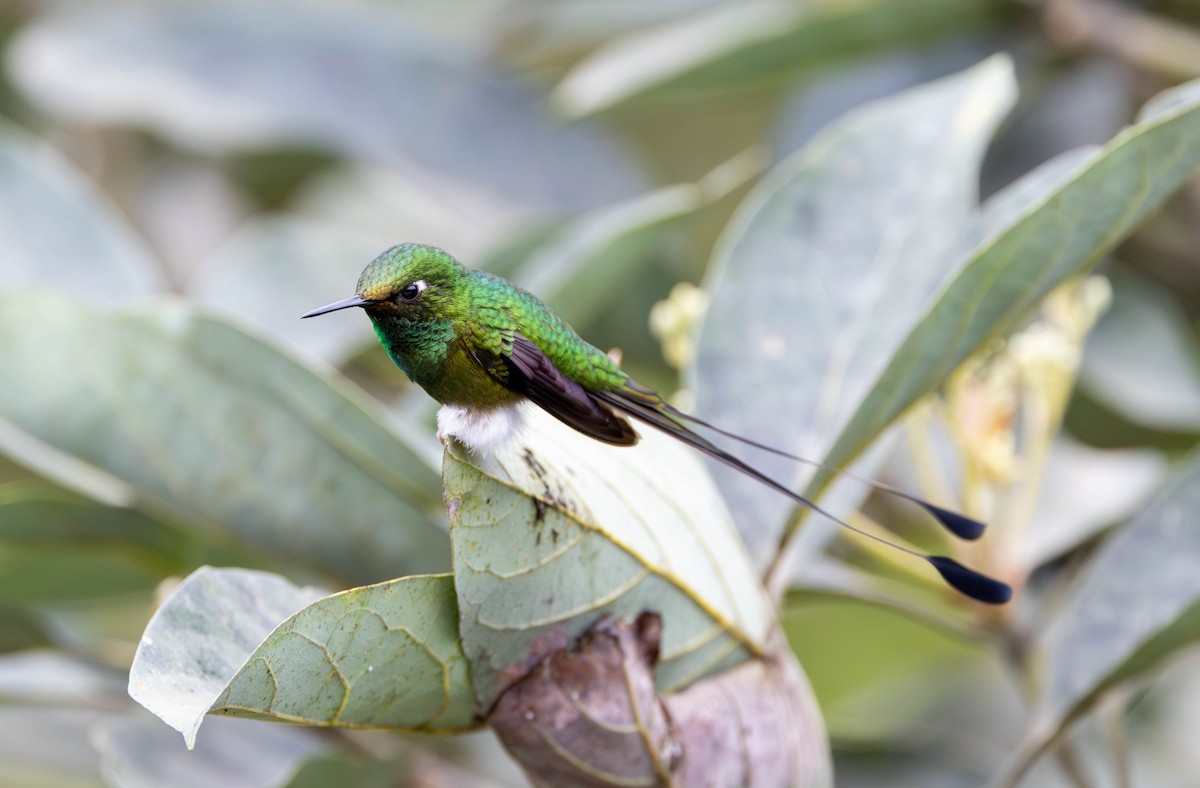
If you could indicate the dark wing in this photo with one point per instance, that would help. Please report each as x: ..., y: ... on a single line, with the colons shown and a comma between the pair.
x: 527, y: 370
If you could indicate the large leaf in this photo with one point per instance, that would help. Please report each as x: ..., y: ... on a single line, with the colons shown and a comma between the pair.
x: 1137, y: 605
x: 553, y: 533
x: 1061, y: 235
x: 222, y: 431
x: 58, y: 233
x: 746, y: 45
x: 381, y: 656
x: 364, y: 81
x: 828, y: 263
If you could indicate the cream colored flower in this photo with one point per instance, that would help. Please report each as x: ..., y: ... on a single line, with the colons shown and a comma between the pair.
x: 673, y: 321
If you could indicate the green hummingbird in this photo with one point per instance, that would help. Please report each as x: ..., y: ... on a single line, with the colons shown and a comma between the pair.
x: 482, y: 347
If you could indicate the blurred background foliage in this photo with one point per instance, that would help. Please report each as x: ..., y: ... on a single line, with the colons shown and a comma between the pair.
x: 249, y: 158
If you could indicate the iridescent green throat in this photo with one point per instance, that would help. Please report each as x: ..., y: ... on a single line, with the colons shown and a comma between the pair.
x: 418, y: 347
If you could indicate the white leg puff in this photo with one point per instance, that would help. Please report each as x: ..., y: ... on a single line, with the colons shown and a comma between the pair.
x: 482, y: 431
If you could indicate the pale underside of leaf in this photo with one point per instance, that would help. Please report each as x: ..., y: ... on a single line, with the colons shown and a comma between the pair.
x: 201, y: 636
x: 560, y: 529
x: 827, y: 265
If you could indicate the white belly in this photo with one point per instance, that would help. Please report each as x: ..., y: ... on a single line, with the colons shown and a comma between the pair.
x: 481, y: 431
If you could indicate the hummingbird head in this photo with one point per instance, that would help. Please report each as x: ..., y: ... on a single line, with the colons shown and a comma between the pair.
x: 413, y: 282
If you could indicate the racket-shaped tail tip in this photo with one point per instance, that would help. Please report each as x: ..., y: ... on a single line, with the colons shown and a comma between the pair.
x: 967, y: 581
x: 958, y: 524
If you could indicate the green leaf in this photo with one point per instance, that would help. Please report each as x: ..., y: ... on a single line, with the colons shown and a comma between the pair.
x: 1061, y: 235
x: 59, y: 233
x: 828, y: 263
x: 381, y: 656
x: 742, y: 46
x: 368, y: 82
x: 551, y: 534
x: 1143, y: 358
x: 1136, y: 605
x: 191, y: 417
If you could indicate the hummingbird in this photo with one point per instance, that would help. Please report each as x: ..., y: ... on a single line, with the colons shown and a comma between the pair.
x: 483, y: 347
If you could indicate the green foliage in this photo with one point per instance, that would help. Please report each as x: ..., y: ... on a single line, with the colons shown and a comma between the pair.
x: 383, y: 656
x: 191, y: 178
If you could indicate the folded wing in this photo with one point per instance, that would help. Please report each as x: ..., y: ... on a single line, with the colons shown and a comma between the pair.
x: 526, y: 370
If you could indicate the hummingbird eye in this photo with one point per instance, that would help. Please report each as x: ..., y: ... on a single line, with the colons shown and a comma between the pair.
x: 411, y: 291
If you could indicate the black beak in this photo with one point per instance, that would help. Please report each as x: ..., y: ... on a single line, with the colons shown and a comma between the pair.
x: 345, y: 303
